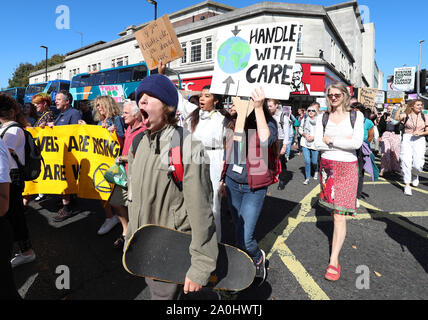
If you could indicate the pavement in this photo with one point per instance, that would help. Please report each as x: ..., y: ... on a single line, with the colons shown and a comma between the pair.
x: 384, y: 257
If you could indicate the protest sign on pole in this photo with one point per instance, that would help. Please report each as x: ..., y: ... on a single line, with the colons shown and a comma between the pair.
x: 394, y: 96
x: 158, y: 41
x: 404, y: 79
x: 75, y: 159
x: 250, y: 56
x: 367, y: 96
x: 114, y: 91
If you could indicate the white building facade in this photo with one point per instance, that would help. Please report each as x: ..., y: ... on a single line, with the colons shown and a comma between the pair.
x: 333, y: 45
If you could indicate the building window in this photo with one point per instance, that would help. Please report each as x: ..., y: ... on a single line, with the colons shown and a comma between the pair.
x: 208, y: 48
x: 126, y: 61
x: 333, y: 52
x: 195, y: 50
x: 119, y: 62
x: 99, y: 65
x: 299, y: 40
x: 184, y: 48
x: 113, y: 63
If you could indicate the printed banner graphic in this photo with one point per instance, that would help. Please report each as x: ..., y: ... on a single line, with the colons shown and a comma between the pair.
x: 250, y: 56
x: 75, y: 159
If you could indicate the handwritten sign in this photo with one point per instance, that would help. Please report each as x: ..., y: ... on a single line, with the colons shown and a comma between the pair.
x: 114, y: 91
x: 158, y: 41
x: 250, y: 56
x: 367, y: 96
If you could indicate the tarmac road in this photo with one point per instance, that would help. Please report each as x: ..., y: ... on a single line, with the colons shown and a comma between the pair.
x: 385, y: 255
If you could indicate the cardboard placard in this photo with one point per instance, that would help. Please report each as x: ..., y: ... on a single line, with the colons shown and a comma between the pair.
x: 250, y: 56
x: 158, y: 41
x: 367, y: 96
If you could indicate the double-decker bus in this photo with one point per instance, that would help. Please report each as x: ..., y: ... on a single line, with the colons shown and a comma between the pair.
x: 119, y: 83
x: 17, y: 93
x: 51, y: 87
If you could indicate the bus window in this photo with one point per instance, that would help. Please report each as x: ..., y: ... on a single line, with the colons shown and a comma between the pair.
x: 124, y: 75
x: 35, y: 88
x: 53, y: 87
x: 97, y: 79
x: 111, y: 77
x: 139, y: 73
x: 64, y: 86
x: 84, y: 80
x: 75, y: 82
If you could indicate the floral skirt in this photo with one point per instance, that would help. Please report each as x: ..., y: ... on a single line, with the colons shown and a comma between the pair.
x: 339, y: 185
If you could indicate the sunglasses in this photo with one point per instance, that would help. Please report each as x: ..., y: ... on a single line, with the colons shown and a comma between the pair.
x: 312, y: 111
x: 337, y: 95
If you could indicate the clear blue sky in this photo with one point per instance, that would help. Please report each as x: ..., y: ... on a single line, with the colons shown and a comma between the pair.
x: 28, y: 24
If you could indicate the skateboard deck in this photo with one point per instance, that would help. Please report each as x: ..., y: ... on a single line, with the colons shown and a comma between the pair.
x: 163, y: 254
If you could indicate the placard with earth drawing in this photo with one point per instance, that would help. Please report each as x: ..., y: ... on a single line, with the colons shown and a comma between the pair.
x: 250, y: 56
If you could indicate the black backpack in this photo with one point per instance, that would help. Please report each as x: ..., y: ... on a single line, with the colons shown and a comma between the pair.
x: 353, y: 116
x: 33, y: 156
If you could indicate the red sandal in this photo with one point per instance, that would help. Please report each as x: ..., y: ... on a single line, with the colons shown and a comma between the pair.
x: 331, y: 276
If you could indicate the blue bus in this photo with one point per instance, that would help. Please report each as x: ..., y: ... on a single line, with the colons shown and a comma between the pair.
x: 119, y: 83
x: 17, y: 93
x: 51, y: 87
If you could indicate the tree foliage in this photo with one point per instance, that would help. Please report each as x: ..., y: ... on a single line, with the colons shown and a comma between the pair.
x: 20, y: 77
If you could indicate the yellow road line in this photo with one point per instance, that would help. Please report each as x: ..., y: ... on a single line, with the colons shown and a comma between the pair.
x: 275, y: 242
x: 303, y: 277
x: 366, y: 216
x: 379, y: 213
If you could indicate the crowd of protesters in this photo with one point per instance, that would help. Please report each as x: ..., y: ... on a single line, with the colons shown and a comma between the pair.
x: 338, y: 146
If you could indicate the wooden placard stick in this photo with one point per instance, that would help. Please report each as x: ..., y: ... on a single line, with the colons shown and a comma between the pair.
x: 243, y: 109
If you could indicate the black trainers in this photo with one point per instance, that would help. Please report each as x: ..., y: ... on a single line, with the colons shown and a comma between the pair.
x: 261, y: 267
x: 63, y: 214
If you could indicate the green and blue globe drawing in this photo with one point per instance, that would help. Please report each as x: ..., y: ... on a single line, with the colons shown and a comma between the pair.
x: 233, y: 55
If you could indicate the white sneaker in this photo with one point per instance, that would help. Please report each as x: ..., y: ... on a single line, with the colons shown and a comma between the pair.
x: 407, y: 190
x: 22, y: 259
x: 108, y: 225
x: 39, y: 197
x: 306, y: 182
x: 316, y: 176
x: 358, y: 203
x: 415, y: 182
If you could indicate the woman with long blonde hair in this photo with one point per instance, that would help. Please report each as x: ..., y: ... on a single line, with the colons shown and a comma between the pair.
x: 108, y: 116
x: 338, y: 142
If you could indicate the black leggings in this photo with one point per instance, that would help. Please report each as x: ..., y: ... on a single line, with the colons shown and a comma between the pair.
x: 16, y: 216
x: 7, y: 283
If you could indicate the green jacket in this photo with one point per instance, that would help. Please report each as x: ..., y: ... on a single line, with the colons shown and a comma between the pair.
x: 155, y: 199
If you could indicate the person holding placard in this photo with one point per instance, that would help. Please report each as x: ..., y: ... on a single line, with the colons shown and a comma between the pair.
x: 248, y: 173
x: 108, y: 116
x: 210, y: 124
x: 155, y: 197
x: 413, y: 145
x: 68, y: 115
x: 338, y: 140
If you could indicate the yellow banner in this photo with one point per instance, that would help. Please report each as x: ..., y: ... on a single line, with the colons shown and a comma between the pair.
x: 75, y: 159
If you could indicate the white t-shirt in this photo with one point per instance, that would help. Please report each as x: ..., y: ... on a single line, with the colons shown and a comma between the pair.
x: 345, y: 139
x: 14, y: 139
x: 4, y: 163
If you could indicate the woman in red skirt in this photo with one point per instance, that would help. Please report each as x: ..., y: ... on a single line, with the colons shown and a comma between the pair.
x: 338, y: 142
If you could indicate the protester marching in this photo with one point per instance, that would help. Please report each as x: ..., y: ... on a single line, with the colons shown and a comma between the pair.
x: 149, y: 153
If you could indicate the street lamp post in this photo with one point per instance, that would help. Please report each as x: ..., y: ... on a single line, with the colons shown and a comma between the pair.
x: 418, y: 78
x: 46, y: 73
x: 156, y: 7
